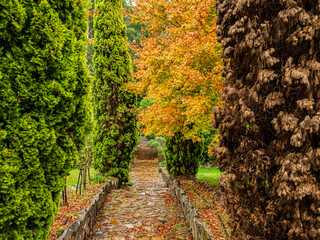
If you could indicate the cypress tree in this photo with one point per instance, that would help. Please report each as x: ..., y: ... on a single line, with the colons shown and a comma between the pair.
x: 44, y: 89
x: 183, y: 156
x: 116, y: 132
x: 269, y: 149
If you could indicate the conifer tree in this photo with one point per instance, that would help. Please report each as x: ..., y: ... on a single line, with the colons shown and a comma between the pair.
x: 183, y: 156
x: 269, y: 149
x: 116, y: 132
x: 44, y: 89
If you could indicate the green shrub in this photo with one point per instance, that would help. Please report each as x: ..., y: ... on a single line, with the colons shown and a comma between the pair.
x: 163, y: 164
x: 44, y: 89
x: 159, y: 144
x: 144, y: 103
x: 151, y: 136
x: 206, y: 142
x: 116, y: 130
x: 99, y: 178
x: 183, y: 156
x: 140, y: 138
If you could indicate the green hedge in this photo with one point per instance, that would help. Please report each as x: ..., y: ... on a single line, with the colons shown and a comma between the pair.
x: 116, y: 130
x: 183, y: 156
x: 44, y: 87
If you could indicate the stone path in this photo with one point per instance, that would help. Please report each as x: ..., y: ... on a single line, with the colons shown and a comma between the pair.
x: 146, y: 210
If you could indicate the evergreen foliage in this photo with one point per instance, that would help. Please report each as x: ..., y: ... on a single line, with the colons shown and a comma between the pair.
x: 209, y: 142
x: 90, y: 35
x: 269, y: 149
x: 158, y: 143
x: 135, y: 30
x: 183, y: 156
x: 44, y: 89
x: 116, y: 132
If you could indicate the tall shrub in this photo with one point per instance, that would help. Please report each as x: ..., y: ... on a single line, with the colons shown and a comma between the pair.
x: 183, y: 156
x: 269, y: 148
x: 116, y: 132
x: 43, y: 109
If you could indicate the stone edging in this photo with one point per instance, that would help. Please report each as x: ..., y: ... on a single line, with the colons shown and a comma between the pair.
x: 80, y: 229
x: 200, y: 230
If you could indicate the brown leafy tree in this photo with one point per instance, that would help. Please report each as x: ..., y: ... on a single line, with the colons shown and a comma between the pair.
x: 270, y: 125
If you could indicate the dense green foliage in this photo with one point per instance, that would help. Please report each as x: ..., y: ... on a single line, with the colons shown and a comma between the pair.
x: 208, y: 143
x: 135, y: 30
x: 90, y: 35
x: 116, y: 132
x: 269, y: 149
x: 159, y: 144
x: 44, y: 89
x: 183, y: 156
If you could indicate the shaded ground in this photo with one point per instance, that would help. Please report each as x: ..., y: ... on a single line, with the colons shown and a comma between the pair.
x: 145, y: 210
x: 68, y: 214
x: 209, y: 208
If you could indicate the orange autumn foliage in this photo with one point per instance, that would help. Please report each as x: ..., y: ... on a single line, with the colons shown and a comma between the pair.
x: 179, y: 66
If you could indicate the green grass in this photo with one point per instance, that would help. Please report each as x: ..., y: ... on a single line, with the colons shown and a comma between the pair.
x: 72, y: 179
x: 209, y: 175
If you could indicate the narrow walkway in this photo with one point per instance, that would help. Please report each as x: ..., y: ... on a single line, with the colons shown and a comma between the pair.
x: 147, y: 210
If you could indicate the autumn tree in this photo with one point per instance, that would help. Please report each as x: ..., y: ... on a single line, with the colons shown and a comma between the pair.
x: 44, y: 89
x: 179, y: 67
x: 269, y: 148
x: 116, y: 132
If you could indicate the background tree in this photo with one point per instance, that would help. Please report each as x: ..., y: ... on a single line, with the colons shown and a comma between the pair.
x: 44, y: 89
x: 116, y: 132
x: 178, y: 68
x: 269, y: 148
x: 135, y: 30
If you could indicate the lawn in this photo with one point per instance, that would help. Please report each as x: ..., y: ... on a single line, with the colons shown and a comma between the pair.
x: 72, y: 179
x: 209, y: 175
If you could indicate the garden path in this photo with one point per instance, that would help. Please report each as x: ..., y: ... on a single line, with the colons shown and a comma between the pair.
x: 147, y: 210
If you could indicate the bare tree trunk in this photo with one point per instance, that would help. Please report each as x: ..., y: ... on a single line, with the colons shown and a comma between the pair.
x: 84, y: 177
x: 65, y: 198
